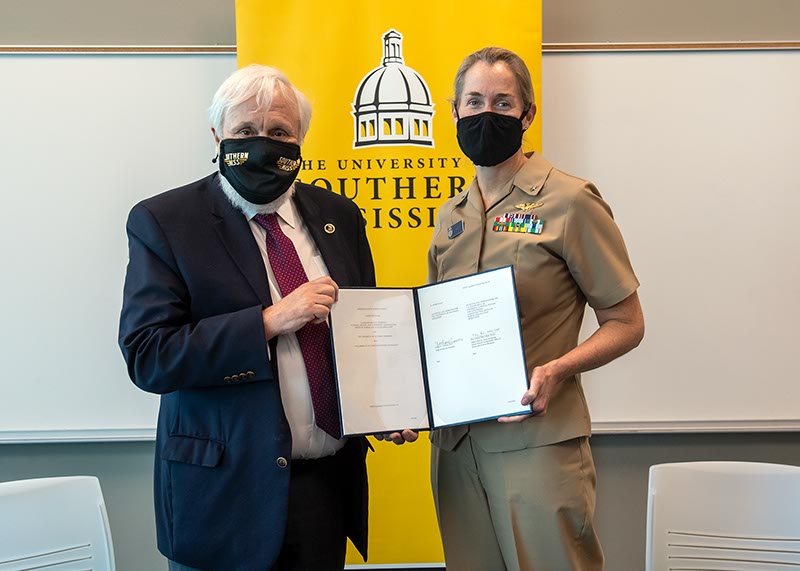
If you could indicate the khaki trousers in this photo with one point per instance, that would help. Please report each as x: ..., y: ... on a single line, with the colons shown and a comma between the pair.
x: 522, y: 510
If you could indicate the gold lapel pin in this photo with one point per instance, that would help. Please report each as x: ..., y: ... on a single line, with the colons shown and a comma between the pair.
x: 330, y: 228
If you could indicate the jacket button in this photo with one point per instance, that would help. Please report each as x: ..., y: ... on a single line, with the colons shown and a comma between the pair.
x: 282, y: 463
x: 227, y: 380
x: 251, y: 374
x: 235, y: 378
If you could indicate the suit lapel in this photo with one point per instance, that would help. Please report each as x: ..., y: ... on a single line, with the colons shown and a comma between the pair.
x: 235, y: 233
x: 327, y: 243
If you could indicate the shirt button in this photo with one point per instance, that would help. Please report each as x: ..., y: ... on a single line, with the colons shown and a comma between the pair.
x: 282, y: 463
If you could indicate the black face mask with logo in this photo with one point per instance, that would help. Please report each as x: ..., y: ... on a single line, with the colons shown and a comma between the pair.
x: 260, y: 169
x: 489, y: 138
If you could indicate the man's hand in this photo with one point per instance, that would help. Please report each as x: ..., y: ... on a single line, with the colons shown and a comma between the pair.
x: 398, y: 438
x: 312, y: 301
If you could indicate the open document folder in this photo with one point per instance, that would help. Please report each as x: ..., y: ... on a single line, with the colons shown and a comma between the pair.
x: 428, y: 357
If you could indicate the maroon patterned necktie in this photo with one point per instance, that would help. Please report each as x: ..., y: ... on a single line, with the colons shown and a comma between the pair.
x: 314, y: 338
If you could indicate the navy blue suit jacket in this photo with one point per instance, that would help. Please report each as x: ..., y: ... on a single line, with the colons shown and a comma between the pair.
x: 191, y: 330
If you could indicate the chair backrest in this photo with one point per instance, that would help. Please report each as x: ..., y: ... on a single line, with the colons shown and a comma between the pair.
x: 54, y: 524
x: 723, y: 516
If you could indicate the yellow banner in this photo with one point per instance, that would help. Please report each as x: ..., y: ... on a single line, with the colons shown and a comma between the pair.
x: 379, y: 76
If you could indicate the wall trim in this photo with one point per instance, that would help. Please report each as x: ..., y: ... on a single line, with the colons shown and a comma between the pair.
x: 668, y: 46
x: 546, y: 48
x: 117, y: 49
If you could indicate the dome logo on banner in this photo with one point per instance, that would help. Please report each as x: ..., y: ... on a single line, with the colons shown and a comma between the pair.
x: 393, y: 105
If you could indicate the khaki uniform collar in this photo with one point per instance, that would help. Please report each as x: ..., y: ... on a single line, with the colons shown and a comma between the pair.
x: 529, y: 179
x: 462, y: 198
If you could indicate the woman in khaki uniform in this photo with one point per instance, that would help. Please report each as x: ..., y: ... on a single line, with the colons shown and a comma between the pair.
x: 519, y: 493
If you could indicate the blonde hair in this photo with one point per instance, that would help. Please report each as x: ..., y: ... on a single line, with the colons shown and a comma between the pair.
x: 491, y: 56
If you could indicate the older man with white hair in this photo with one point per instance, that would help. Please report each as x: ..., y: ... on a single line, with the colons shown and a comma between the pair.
x: 228, y: 289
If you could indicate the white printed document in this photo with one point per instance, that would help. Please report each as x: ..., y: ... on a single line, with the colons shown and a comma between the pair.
x: 429, y: 357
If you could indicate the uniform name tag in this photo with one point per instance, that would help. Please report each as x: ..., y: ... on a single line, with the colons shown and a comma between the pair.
x: 455, y: 229
x: 518, y: 222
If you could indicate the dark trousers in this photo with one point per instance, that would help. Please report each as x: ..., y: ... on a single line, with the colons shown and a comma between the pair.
x: 315, y: 539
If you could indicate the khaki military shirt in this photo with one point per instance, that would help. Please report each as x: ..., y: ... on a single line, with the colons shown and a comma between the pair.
x: 578, y: 258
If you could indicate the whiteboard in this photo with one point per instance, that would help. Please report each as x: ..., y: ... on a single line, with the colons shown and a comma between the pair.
x: 696, y: 153
x: 85, y: 138
x: 693, y: 150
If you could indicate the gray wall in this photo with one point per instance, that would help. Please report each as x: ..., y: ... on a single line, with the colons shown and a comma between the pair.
x: 117, y: 22
x: 125, y: 472
x: 211, y: 22
x: 124, y: 469
x: 623, y: 462
x: 589, y: 21
x: 126, y: 477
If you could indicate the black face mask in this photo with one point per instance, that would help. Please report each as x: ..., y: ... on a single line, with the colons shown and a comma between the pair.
x: 260, y: 169
x: 489, y: 138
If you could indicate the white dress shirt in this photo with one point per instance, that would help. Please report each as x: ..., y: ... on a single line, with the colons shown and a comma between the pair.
x: 308, y: 440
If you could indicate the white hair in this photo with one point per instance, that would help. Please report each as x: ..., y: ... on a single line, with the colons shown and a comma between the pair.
x: 259, y: 81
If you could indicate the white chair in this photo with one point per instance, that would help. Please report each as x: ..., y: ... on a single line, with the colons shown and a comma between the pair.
x: 723, y: 516
x: 54, y: 524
